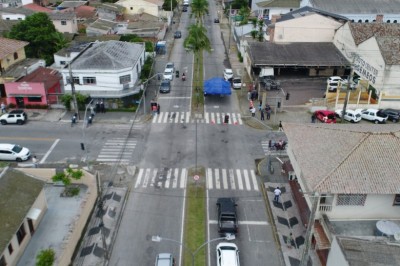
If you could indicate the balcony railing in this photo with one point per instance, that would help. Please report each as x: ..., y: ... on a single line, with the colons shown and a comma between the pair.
x: 325, y: 207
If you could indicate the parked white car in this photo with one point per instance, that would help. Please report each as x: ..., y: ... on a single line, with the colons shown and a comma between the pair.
x: 334, y: 79
x: 228, y: 74
x: 227, y: 254
x: 351, y: 115
x: 170, y: 65
x: 236, y: 83
x: 13, y: 152
x: 373, y: 115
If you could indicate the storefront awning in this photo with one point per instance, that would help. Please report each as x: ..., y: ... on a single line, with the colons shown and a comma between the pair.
x: 34, y: 213
x: 25, y: 95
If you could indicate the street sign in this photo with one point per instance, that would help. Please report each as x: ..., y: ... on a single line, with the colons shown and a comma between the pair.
x: 196, y: 177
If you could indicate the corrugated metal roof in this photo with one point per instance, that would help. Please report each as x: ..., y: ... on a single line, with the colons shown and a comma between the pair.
x: 358, y: 6
x: 296, y: 54
x: 279, y: 3
x: 10, y: 46
x: 362, y: 252
x: 349, y: 159
x: 109, y: 55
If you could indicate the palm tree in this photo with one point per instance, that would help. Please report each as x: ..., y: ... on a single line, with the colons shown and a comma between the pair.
x: 199, y: 9
x: 197, y: 39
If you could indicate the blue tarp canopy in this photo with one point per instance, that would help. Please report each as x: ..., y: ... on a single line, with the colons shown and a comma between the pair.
x: 217, y: 86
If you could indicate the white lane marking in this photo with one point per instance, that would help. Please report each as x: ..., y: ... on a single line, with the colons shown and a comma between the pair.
x: 207, y: 118
x: 139, y: 178
x: 176, y: 117
x: 187, y: 117
x: 168, y: 179
x: 240, y: 181
x: 166, y: 117
x: 254, y: 179
x: 183, y: 178
x: 247, y: 180
x: 240, y: 119
x: 49, y: 151
x: 217, y: 184
x: 175, y: 180
x: 153, y: 178
x: 232, y: 179
x: 146, y: 178
x: 224, y: 179
x: 209, y: 178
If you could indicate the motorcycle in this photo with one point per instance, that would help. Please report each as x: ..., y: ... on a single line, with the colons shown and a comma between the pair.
x: 183, y: 77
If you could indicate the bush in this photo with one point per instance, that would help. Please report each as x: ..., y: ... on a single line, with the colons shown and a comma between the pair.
x: 45, y: 257
x: 240, y: 57
x: 146, y: 71
x: 36, y: 106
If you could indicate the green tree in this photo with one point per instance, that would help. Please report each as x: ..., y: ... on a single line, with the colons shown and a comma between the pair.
x: 45, y: 257
x: 167, y: 5
x: 43, y: 38
x: 66, y: 178
x: 81, y: 99
x: 199, y: 9
x: 238, y: 4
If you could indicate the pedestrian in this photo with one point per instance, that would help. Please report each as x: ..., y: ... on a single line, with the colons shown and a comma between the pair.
x: 89, y: 122
x: 268, y: 113
x: 158, y: 109
x: 154, y: 109
x: 313, y: 118
x: 102, y: 107
x: 280, y: 126
x: 251, y: 104
x: 289, y: 240
x: 253, y: 112
x: 277, y: 193
x: 3, y: 108
x: 248, y: 96
x: 73, y: 120
x: 34, y: 161
x: 97, y: 107
x: 262, y: 114
x: 260, y: 105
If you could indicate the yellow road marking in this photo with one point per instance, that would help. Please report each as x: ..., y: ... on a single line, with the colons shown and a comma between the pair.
x: 26, y: 138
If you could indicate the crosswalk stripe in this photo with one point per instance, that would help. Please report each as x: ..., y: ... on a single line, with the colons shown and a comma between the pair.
x: 185, y: 117
x: 253, y: 177
x: 213, y: 118
x: 246, y: 179
x: 209, y: 178
x: 217, y: 181
x: 117, y: 149
x: 224, y: 179
x: 183, y: 178
x: 232, y: 179
x: 139, y: 178
x: 146, y: 178
x: 175, y: 180
x: 153, y: 177
x: 168, y: 178
x: 240, y: 181
x: 206, y: 118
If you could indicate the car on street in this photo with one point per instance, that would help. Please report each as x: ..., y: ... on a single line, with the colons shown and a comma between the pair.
x: 236, y: 83
x: 14, y: 117
x: 168, y: 74
x: 216, y: 20
x: 177, y: 34
x: 351, y: 115
x: 165, y: 86
x: 325, y: 116
x: 270, y: 84
x: 393, y: 114
x: 227, y: 216
x: 227, y: 254
x: 184, y: 9
x: 373, y: 115
x: 165, y: 259
x: 13, y: 152
x: 228, y: 74
x: 334, y: 79
x: 170, y: 65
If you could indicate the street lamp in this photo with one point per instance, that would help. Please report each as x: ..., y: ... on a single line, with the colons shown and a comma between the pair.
x: 85, y: 122
x: 193, y: 253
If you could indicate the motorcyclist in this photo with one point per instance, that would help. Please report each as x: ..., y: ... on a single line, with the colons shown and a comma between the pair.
x: 183, y: 76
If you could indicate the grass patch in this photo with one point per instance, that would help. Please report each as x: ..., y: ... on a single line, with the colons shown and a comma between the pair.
x: 4, y: 164
x: 195, y: 219
x: 197, y: 94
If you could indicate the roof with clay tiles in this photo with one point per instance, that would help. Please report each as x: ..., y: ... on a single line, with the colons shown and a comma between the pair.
x: 10, y: 46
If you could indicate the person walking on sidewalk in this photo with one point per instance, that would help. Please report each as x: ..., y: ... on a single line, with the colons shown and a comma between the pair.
x: 3, y: 108
x: 277, y: 193
x: 35, y: 162
x: 253, y: 111
x: 262, y: 114
x: 280, y: 126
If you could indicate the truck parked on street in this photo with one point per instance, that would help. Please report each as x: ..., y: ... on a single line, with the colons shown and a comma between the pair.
x: 227, y: 216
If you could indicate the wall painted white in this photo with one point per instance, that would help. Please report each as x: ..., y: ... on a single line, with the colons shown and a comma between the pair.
x: 336, y: 256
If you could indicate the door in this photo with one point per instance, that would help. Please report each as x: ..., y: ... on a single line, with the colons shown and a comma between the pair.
x: 20, y: 102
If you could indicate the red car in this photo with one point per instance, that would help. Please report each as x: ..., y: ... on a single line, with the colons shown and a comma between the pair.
x: 325, y: 116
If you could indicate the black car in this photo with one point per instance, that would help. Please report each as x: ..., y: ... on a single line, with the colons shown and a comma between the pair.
x: 184, y: 9
x: 227, y: 216
x: 165, y: 86
x: 269, y: 84
x: 216, y: 20
x: 393, y: 114
x: 177, y: 34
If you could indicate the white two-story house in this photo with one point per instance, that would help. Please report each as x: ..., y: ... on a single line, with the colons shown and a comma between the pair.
x: 106, y: 70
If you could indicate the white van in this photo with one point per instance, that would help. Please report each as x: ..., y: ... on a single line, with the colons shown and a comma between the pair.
x: 165, y: 259
x: 185, y: 2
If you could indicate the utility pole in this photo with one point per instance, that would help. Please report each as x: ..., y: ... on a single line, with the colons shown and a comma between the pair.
x: 71, y: 79
x: 310, y: 227
x: 349, y: 78
x: 229, y: 23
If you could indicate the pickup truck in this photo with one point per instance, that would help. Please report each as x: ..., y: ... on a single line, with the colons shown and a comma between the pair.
x: 227, y: 216
x: 373, y: 115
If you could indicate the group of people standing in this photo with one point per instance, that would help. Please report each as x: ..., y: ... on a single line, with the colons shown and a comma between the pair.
x: 266, y: 110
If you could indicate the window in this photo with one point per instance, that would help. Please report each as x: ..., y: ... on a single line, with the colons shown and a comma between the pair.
x: 35, y: 99
x: 76, y: 80
x: 395, y: 21
x: 388, y: 21
x: 359, y: 21
x: 351, y: 200
x: 352, y: 20
x: 89, y: 80
x: 366, y: 20
x: 10, y: 248
x: 62, y: 62
x: 63, y: 22
x: 124, y: 79
x: 396, y: 201
x: 15, y: 56
x: 21, y: 233
x: 131, y: 8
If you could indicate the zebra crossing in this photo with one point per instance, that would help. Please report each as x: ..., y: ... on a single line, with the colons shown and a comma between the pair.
x: 219, y: 179
x: 117, y: 150
x: 185, y: 117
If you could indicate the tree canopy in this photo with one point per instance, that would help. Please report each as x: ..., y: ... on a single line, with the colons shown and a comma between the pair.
x: 44, y: 40
x: 197, y: 39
